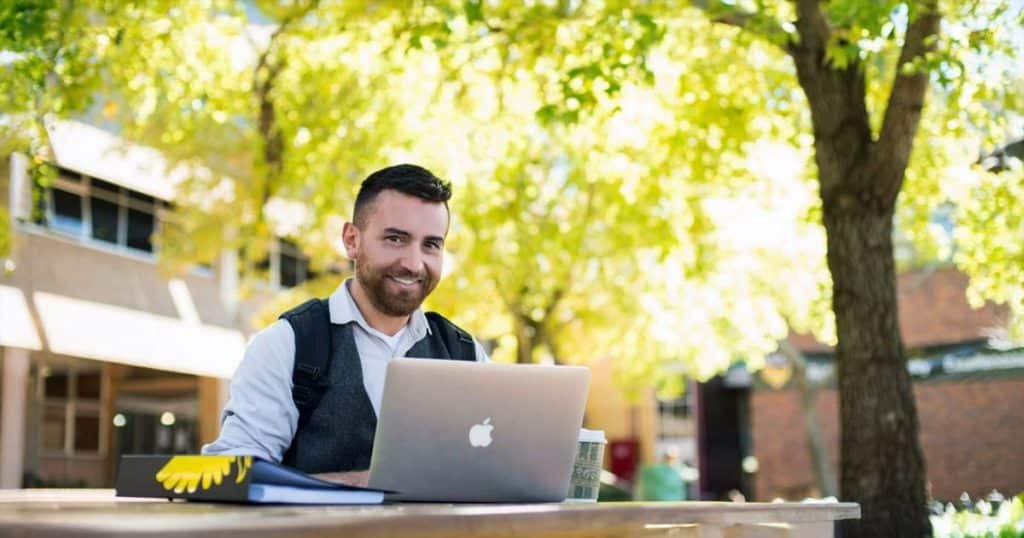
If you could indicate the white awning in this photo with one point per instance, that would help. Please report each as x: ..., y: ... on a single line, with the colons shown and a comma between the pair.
x: 104, y: 332
x: 92, y: 151
x: 16, y: 326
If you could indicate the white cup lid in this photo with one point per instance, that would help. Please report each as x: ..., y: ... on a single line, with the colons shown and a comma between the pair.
x: 592, y: 436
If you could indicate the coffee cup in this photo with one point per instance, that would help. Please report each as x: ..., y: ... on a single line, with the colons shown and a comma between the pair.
x: 586, y: 471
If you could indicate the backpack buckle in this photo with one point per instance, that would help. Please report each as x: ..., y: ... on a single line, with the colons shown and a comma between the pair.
x: 312, y: 371
x: 301, y: 395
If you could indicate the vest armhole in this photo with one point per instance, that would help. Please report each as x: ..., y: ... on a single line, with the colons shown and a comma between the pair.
x: 459, y: 342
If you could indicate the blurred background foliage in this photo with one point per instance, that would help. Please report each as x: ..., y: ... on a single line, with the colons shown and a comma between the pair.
x: 631, y: 180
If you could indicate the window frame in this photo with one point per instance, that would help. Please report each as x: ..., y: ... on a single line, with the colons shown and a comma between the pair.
x: 73, y: 407
x: 286, y: 248
x: 668, y: 413
x: 278, y: 248
x: 82, y: 186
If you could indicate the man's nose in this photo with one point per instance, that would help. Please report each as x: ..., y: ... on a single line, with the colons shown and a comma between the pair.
x: 412, y: 261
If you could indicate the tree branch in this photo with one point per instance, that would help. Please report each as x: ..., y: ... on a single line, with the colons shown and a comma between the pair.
x: 576, y: 255
x: 891, y: 154
x: 273, y: 143
x: 549, y: 342
x: 811, y: 25
x: 753, y: 22
x: 836, y: 95
x: 823, y: 472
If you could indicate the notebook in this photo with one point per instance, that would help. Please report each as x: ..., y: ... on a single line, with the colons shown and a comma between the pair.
x: 459, y: 431
x: 242, y: 479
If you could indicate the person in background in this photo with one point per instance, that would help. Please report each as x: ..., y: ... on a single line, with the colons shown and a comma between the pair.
x: 661, y: 481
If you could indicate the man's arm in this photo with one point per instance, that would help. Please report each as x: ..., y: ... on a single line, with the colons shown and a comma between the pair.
x: 260, y: 417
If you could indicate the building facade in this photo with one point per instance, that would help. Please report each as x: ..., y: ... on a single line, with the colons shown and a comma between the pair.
x: 968, y: 386
x: 103, y: 355
x: 745, y: 431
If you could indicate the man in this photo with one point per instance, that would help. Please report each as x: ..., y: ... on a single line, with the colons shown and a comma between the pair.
x: 321, y: 417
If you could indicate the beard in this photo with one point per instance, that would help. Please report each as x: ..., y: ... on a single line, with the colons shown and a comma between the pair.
x: 386, y: 295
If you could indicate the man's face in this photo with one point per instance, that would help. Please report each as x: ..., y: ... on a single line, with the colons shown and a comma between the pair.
x: 398, y: 251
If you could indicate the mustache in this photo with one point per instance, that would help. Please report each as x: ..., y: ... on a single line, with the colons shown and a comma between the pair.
x: 408, y: 275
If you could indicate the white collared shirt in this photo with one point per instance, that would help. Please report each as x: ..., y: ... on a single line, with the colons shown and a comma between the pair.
x: 260, y: 418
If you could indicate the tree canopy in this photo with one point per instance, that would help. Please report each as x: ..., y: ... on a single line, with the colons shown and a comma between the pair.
x: 650, y: 182
x: 602, y: 154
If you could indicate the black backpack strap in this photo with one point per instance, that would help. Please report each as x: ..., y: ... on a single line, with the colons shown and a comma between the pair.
x: 311, y: 322
x: 459, y: 343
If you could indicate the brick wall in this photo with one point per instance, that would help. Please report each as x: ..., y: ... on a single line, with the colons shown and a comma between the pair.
x: 972, y: 433
x: 933, y: 311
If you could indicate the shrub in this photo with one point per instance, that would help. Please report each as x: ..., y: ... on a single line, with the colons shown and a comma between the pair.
x: 982, y: 521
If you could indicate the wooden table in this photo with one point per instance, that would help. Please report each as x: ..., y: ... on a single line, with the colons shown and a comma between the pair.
x: 78, y: 513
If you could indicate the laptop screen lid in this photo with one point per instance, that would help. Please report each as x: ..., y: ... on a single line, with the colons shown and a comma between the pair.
x: 478, y: 432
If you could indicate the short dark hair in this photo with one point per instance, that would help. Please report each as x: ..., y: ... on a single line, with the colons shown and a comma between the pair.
x: 407, y: 179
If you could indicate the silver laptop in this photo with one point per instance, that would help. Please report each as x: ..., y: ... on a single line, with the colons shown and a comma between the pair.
x: 478, y: 432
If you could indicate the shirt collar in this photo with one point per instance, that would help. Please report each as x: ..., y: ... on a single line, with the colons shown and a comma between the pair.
x: 344, y: 310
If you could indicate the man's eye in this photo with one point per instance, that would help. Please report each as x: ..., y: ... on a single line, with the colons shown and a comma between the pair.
x: 393, y: 239
x: 434, y: 245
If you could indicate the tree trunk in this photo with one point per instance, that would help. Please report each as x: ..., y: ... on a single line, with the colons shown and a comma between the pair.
x: 526, y: 339
x: 859, y: 180
x: 882, y: 463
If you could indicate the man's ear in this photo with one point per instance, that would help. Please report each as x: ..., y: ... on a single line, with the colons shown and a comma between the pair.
x: 350, y: 237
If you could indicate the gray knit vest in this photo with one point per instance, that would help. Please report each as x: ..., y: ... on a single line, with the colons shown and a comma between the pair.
x: 339, y: 434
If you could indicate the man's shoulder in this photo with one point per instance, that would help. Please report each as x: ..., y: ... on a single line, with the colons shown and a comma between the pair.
x: 311, y: 307
x: 276, y: 336
x: 436, y: 319
x: 309, y: 324
x: 271, y: 351
x: 457, y: 340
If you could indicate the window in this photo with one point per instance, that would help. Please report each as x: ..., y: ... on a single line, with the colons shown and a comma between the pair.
x: 294, y: 264
x: 141, y: 221
x: 144, y: 431
x: 91, y: 209
x: 87, y: 433
x: 286, y: 265
x: 105, y: 219
x: 675, y: 417
x: 54, y: 422
x: 67, y: 212
x: 56, y: 386
x: 70, y: 403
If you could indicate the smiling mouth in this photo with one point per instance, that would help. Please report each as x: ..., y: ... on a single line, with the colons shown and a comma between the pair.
x: 405, y: 281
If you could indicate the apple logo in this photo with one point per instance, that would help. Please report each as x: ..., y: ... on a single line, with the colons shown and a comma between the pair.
x: 480, y: 434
